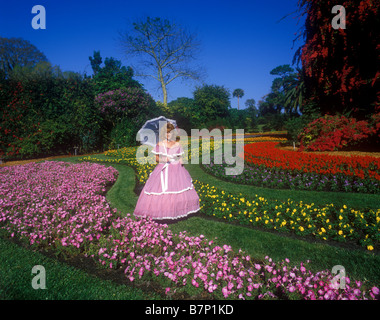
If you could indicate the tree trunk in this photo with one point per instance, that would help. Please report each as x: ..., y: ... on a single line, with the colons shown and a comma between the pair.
x: 165, y: 93
x: 163, y: 86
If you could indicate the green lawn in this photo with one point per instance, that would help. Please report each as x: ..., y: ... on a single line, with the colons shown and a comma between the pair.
x: 63, y: 282
x: 359, y: 263
x: 351, y: 200
x: 67, y: 282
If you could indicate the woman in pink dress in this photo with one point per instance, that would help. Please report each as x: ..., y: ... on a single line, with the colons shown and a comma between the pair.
x: 169, y: 192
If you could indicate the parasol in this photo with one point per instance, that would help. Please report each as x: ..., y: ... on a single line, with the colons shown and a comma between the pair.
x: 150, y: 131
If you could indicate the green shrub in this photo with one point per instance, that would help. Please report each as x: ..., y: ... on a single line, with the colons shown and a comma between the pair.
x: 294, y: 126
x: 124, y: 111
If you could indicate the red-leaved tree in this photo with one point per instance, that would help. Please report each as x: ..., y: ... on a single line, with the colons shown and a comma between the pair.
x: 342, y: 66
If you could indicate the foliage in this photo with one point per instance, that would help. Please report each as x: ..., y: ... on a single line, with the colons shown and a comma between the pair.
x: 40, y: 71
x: 46, y: 112
x: 341, y: 67
x: 112, y: 75
x: 237, y: 118
x: 279, y: 98
x: 18, y: 52
x: 295, y: 94
x: 124, y: 132
x: 250, y: 113
x: 190, y: 115
x: 213, y: 101
x: 116, y: 104
x: 49, y: 135
x: 14, y: 111
x: 285, y: 100
x: 294, y: 127
x: 331, y: 133
x: 219, y: 123
x: 185, y: 112
x: 251, y: 107
x: 119, y: 107
x: 375, y: 120
x: 273, y: 121
x: 239, y: 93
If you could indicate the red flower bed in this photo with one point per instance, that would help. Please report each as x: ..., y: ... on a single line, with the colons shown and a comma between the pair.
x: 265, y: 153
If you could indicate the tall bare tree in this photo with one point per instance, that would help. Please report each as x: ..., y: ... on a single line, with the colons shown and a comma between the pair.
x: 165, y: 51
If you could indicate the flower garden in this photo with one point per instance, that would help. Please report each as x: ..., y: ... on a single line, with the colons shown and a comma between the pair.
x: 271, y: 167
x: 61, y: 207
x: 291, y: 225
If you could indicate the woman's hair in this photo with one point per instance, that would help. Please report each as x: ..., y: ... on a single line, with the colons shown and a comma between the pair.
x: 166, y: 129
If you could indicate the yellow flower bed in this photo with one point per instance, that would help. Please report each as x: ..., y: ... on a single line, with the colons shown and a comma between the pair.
x: 255, y: 139
x: 327, y: 222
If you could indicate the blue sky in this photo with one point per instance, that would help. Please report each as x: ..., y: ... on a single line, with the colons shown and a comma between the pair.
x: 241, y: 40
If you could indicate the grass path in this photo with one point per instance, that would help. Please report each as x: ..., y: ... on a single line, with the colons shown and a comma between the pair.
x: 16, y: 262
x: 122, y: 195
x: 352, y: 200
x: 63, y: 282
x: 358, y: 263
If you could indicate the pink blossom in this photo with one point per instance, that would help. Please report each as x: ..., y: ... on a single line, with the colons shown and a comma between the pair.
x: 62, y: 207
x: 225, y: 292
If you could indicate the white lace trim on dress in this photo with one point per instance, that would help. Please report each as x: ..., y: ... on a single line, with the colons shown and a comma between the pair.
x: 168, y: 192
x: 169, y: 218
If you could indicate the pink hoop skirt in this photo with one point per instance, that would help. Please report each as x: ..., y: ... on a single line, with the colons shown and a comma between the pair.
x: 169, y: 192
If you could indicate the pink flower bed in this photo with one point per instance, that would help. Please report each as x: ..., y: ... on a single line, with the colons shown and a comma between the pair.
x: 62, y: 206
x: 147, y: 250
x: 55, y: 203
